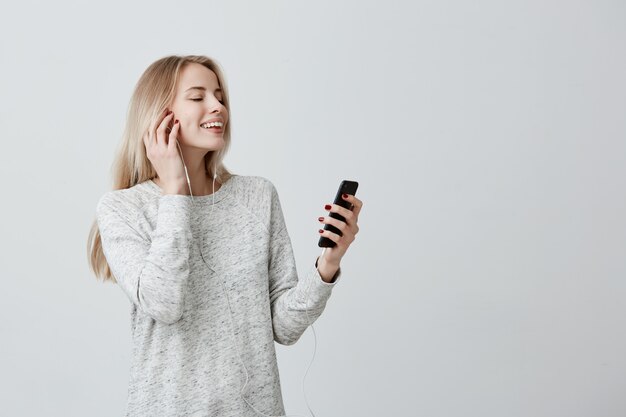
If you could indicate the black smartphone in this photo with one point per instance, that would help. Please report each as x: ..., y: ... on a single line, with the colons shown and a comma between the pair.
x: 346, y: 187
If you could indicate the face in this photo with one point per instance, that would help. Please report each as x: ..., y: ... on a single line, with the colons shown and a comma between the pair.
x: 198, y: 100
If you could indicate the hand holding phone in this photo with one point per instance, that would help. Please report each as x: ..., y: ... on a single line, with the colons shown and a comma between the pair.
x: 346, y: 187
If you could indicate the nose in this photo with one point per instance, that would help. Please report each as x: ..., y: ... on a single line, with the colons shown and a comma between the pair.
x: 215, y: 105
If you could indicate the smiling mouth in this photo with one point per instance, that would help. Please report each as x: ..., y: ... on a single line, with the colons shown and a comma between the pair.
x: 216, y: 124
x: 213, y: 129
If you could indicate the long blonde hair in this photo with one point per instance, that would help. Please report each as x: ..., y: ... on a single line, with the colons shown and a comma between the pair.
x: 154, y: 92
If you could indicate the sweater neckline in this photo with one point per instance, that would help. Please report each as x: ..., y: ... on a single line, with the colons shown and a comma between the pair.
x: 222, y: 192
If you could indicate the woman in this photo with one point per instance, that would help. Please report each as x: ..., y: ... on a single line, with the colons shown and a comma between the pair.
x: 202, y: 254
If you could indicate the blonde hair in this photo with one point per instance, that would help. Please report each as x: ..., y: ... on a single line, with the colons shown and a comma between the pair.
x: 154, y: 92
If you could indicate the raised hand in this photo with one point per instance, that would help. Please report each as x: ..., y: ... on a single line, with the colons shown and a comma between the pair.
x: 162, y: 151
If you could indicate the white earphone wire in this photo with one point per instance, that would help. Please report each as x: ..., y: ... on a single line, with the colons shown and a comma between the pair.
x: 232, y: 321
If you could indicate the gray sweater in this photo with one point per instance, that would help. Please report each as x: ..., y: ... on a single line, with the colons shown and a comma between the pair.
x: 184, y: 359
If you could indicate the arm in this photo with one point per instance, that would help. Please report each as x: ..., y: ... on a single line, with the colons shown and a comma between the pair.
x: 292, y: 297
x: 153, y: 274
x: 328, y: 272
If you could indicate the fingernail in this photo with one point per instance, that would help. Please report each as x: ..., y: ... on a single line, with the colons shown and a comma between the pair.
x: 321, y: 231
x: 176, y: 121
x: 344, y: 195
x: 327, y: 207
x: 320, y: 218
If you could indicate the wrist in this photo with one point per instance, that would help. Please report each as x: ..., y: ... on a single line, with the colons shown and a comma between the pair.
x: 327, y: 270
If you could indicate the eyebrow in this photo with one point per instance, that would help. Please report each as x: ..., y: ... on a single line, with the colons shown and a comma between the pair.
x: 203, y: 89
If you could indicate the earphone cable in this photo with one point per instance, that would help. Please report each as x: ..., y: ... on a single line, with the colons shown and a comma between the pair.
x: 232, y: 318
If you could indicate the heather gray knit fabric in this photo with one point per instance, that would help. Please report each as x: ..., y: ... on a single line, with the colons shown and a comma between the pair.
x: 184, y: 358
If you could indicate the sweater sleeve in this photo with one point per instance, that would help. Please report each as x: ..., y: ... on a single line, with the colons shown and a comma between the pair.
x: 295, y: 302
x: 152, y: 272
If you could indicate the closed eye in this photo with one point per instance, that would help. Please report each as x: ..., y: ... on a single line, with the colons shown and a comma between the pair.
x: 199, y: 99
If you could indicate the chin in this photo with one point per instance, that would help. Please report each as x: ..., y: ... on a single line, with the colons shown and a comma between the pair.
x: 213, y: 144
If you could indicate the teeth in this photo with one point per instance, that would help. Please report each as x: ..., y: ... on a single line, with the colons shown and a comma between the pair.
x: 212, y: 124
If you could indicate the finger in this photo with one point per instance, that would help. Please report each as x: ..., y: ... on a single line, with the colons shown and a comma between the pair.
x: 161, y: 132
x: 332, y: 236
x: 157, y: 121
x: 346, y: 197
x: 168, y: 129
x: 356, y: 203
x: 336, y: 208
x: 173, y: 135
x: 342, y: 226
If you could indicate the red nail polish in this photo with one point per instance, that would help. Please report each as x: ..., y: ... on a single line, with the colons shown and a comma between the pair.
x: 344, y: 195
x: 327, y: 207
x: 176, y: 121
x: 320, y: 218
x: 321, y: 231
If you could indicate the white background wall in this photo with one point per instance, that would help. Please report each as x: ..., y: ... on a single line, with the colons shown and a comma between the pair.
x: 488, y: 138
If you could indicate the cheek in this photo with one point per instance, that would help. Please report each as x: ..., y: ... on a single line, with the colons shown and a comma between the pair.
x: 188, y: 120
x: 185, y: 114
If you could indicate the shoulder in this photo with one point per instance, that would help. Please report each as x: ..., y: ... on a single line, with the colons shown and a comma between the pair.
x: 251, y: 183
x: 253, y: 189
x: 259, y: 197
x: 127, y: 202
